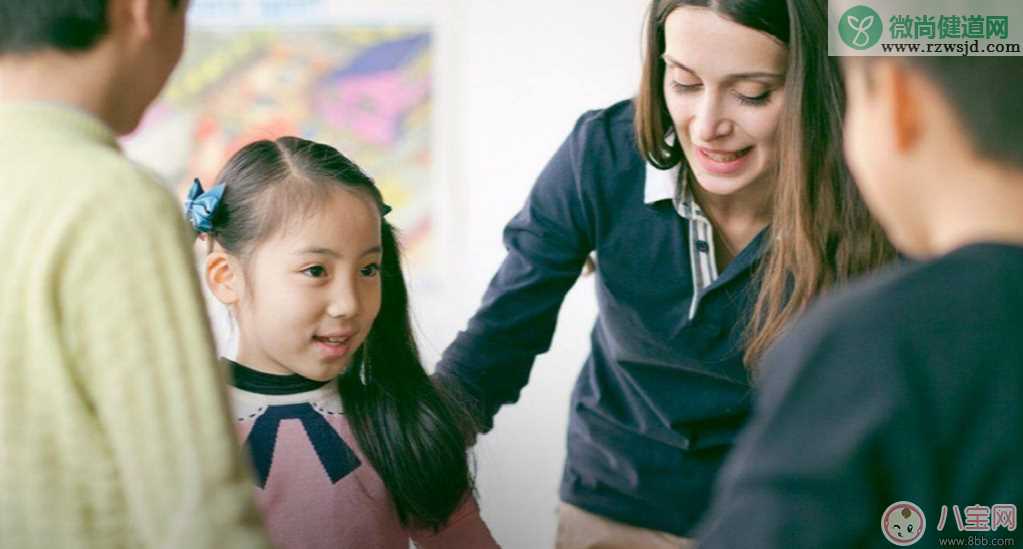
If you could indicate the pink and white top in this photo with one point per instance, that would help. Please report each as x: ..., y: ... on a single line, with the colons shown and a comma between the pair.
x: 315, y: 487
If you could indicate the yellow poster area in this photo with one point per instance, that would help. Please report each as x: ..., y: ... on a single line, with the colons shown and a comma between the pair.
x: 364, y: 90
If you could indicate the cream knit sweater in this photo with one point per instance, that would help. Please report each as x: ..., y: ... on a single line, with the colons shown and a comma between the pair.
x: 113, y: 420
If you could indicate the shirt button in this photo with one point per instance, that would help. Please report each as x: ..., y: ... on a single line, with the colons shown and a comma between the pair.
x: 702, y: 246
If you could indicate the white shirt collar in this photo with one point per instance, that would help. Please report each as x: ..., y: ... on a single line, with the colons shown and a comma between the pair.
x: 660, y: 184
x: 666, y: 185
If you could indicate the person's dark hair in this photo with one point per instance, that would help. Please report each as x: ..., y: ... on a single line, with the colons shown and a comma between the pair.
x: 821, y: 232
x: 66, y: 25
x: 652, y: 118
x: 411, y: 430
x: 984, y: 92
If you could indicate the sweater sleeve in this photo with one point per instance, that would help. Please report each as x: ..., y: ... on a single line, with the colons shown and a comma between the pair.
x: 145, y: 361
x: 547, y: 243
x: 465, y: 530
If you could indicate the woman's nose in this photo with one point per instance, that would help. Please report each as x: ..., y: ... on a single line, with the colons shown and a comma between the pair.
x: 709, y: 122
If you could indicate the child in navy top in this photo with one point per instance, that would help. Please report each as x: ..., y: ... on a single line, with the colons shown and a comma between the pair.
x: 892, y: 415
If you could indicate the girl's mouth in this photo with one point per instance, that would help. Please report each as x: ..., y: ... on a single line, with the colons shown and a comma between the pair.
x: 336, y: 340
x: 333, y: 347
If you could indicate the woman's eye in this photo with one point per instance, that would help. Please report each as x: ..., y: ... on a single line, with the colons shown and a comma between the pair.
x: 315, y: 271
x: 756, y: 100
x: 370, y: 270
x: 681, y: 88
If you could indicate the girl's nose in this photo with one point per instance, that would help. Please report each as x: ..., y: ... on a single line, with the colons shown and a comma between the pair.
x: 345, y: 303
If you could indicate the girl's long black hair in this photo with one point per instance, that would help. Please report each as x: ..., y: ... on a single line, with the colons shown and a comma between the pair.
x: 411, y: 431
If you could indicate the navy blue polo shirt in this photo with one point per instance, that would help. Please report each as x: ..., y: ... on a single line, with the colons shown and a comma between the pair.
x: 664, y: 390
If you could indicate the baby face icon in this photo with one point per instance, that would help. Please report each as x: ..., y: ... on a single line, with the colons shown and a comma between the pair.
x: 903, y: 523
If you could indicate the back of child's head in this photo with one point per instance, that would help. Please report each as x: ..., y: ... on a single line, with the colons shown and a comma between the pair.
x: 985, y: 94
x: 66, y: 25
x: 412, y: 433
x: 110, y: 58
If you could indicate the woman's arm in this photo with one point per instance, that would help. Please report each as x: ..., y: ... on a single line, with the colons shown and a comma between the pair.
x: 547, y: 244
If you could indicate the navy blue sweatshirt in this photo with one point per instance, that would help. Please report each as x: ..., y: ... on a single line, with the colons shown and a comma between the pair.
x: 664, y: 390
x: 908, y: 388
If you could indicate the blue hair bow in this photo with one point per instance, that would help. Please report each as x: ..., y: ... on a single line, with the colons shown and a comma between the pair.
x: 200, y: 206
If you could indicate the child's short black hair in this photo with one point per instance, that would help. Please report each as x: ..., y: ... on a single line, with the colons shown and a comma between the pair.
x: 985, y: 93
x: 66, y: 25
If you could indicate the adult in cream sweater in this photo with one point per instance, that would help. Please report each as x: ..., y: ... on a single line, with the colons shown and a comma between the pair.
x: 113, y: 425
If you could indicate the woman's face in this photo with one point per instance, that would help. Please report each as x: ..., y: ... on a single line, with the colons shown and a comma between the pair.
x: 724, y: 88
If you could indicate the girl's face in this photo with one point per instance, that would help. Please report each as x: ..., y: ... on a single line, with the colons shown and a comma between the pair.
x: 723, y: 85
x: 311, y: 292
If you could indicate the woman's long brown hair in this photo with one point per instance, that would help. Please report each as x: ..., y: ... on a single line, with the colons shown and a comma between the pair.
x: 822, y: 234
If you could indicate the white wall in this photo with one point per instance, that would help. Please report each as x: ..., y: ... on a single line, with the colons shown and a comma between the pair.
x: 512, y: 77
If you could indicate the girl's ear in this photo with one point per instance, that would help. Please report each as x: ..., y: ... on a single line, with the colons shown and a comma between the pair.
x: 223, y: 278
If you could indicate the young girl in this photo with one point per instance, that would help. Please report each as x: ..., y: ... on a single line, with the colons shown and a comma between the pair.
x: 351, y: 443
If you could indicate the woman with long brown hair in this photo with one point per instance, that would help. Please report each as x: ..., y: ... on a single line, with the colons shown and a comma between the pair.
x: 722, y: 175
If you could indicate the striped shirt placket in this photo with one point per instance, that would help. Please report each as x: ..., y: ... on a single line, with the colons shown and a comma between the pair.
x: 701, y: 242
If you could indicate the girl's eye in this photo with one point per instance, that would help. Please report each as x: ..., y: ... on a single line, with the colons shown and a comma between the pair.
x: 370, y: 270
x: 315, y: 271
x: 756, y: 101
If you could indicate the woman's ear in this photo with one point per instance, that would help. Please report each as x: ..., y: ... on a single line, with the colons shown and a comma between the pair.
x: 223, y: 277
